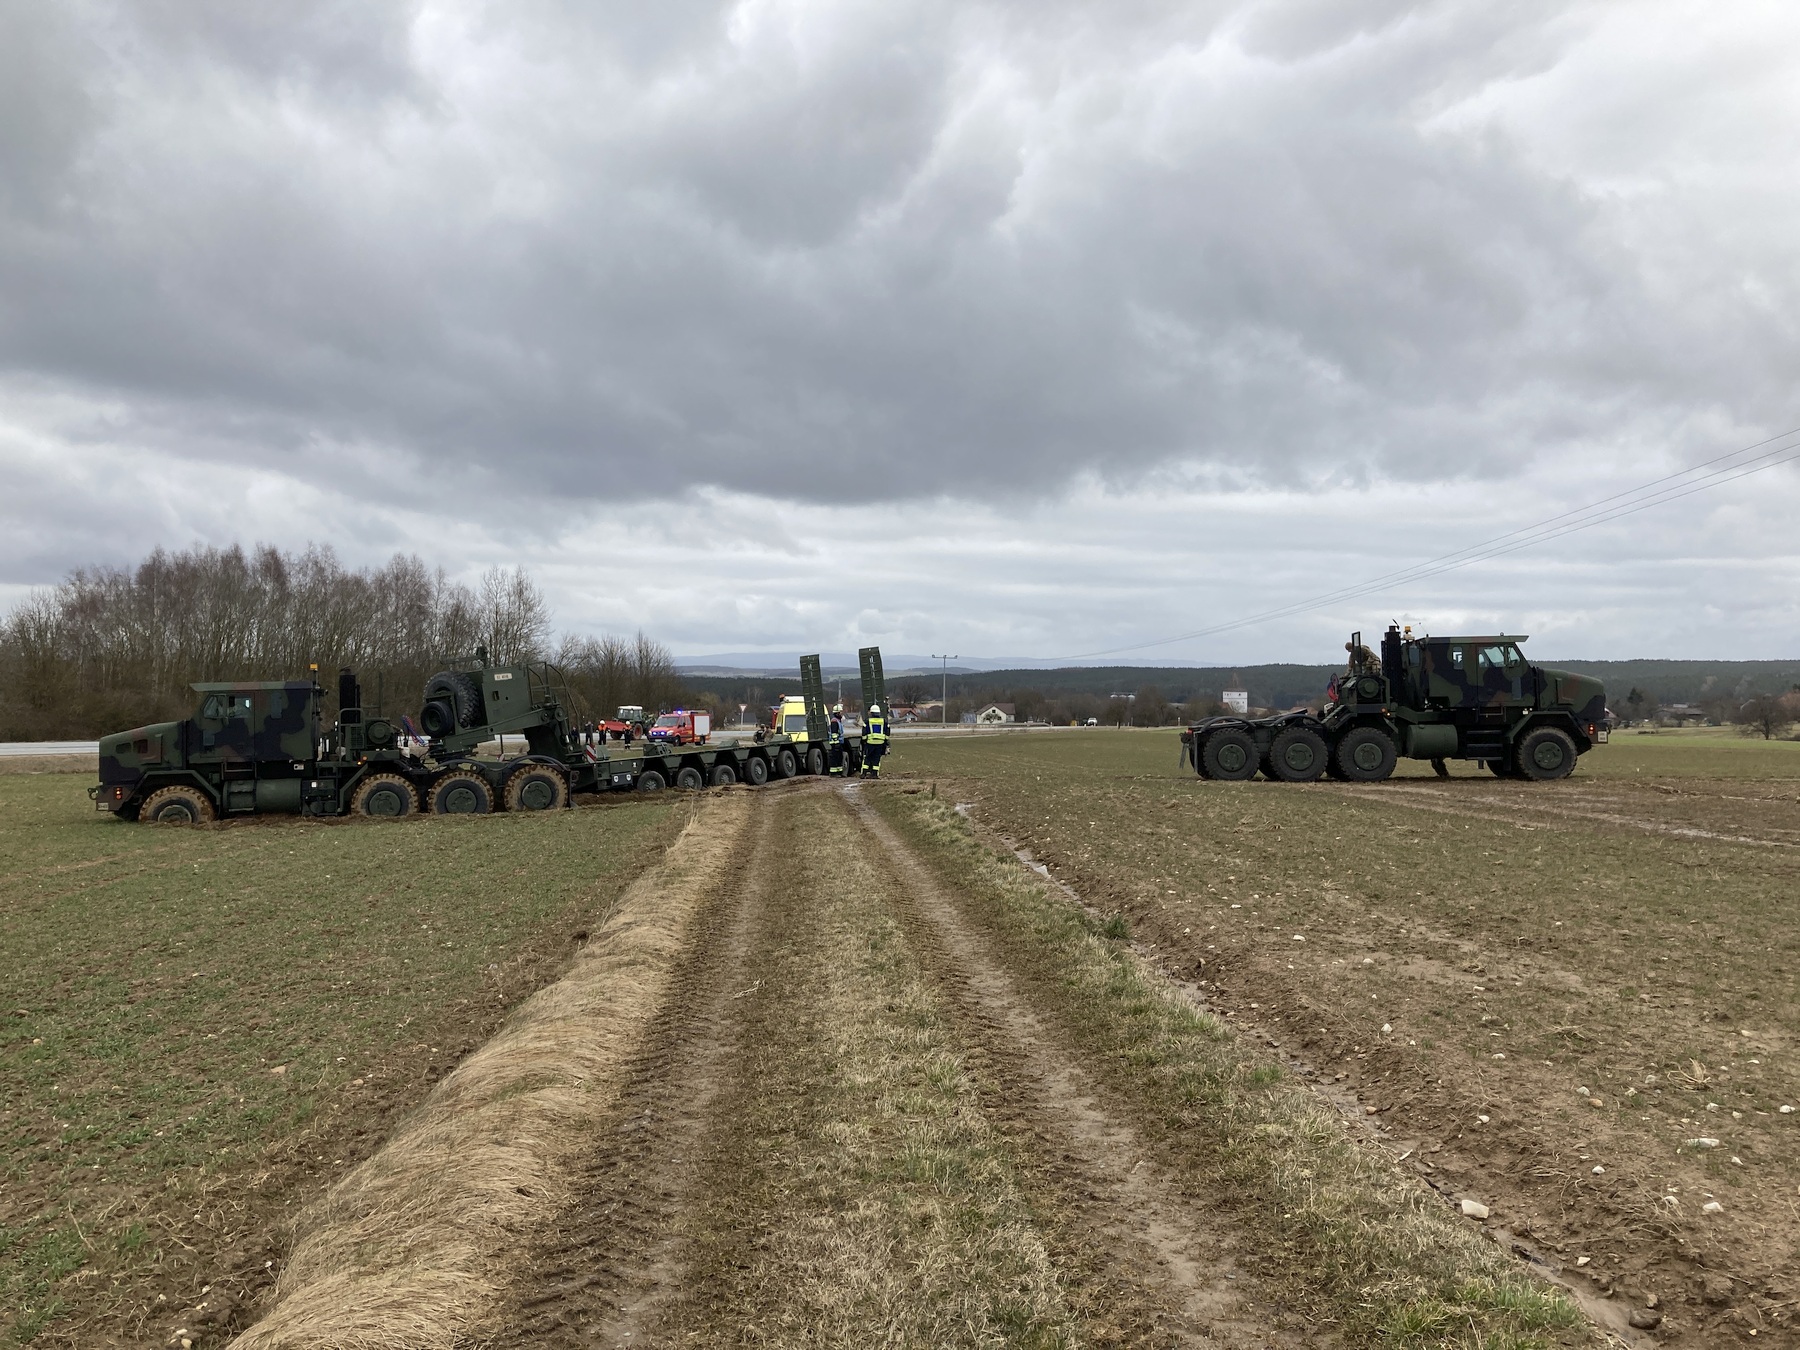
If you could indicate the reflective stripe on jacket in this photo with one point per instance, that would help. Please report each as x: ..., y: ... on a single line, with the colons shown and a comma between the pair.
x: 875, y: 733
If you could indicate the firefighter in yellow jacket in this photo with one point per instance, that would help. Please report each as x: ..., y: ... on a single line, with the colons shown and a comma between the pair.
x: 875, y: 741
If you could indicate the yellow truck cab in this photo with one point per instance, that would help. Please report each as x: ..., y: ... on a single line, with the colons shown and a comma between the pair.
x: 790, y: 716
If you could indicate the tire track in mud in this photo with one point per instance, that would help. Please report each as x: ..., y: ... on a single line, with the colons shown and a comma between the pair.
x: 1133, y: 1225
x: 604, y: 1272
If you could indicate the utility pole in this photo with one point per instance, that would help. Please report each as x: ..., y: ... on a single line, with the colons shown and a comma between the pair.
x: 944, y: 707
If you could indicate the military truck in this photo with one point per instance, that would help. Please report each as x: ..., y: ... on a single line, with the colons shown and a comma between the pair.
x: 260, y: 747
x: 1429, y: 698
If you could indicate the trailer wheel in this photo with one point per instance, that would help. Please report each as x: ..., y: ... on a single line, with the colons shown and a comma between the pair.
x: 536, y: 787
x: 815, y: 761
x: 756, y: 771
x: 1365, y: 754
x: 177, y: 806
x: 650, y: 781
x: 1545, y: 754
x: 787, y: 764
x: 1297, y: 755
x: 723, y: 775
x: 461, y: 794
x: 690, y: 779
x: 384, y: 795
x: 1230, y: 754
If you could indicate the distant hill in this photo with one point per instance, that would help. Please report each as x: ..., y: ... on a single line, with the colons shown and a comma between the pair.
x: 1269, y: 686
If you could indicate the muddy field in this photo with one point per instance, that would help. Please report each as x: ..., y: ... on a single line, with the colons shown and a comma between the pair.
x: 1573, y: 1002
x: 1042, y: 1042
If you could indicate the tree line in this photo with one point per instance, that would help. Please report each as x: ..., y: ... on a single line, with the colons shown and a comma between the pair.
x: 116, y: 647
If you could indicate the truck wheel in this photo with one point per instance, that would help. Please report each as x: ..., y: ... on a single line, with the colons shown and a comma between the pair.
x: 815, y: 761
x: 177, y: 806
x: 690, y: 779
x: 650, y: 781
x: 537, y: 787
x: 1500, y: 768
x: 1365, y: 754
x: 457, y: 690
x: 1230, y: 754
x: 1298, y: 755
x: 756, y: 771
x: 787, y: 764
x: 384, y: 794
x: 1546, y: 753
x: 723, y: 775
x: 461, y: 794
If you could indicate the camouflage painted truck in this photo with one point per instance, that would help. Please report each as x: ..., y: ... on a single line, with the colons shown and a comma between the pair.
x: 262, y: 747
x: 1429, y: 698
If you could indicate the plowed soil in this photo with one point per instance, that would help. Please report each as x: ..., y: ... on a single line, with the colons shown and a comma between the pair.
x: 1574, y: 1003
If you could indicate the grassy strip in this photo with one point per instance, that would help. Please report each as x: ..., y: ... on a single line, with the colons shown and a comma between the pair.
x: 863, y: 1196
x: 199, y: 1026
x: 1381, y: 1256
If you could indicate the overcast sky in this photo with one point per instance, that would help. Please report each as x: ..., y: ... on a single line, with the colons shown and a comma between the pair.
x: 1007, y: 329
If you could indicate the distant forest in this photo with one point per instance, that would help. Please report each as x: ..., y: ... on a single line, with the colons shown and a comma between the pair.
x: 114, y: 647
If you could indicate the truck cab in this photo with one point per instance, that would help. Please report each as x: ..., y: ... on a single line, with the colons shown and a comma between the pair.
x: 249, y: 746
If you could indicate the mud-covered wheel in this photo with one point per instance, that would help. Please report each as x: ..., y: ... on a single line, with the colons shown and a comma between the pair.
x: 650, y: 781
x: 756, y: 771
x: 815, y: 761
x: 177, y: 806
x: 1365, y: 754
x: 451, y: 701
x: 690, y: 779
x: 536, y: 787
x: 1546, y: 753
x: 787, y: 764
x: 723, y: 775
x: 384, y: 795
x: 1230, y: 754
x: 1297, y: 755
x: 461, y: 794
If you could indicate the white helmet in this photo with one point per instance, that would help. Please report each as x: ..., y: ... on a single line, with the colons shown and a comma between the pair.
x: 875, y: 707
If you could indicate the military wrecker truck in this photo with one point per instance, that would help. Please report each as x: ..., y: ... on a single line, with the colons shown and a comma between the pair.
x: 1430, y: 698
x: 257, y: 748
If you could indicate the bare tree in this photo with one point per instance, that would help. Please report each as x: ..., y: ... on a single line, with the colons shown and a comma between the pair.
x: 1767, y: 715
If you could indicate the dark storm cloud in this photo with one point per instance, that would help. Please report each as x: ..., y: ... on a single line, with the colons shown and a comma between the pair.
x: 604, y: 252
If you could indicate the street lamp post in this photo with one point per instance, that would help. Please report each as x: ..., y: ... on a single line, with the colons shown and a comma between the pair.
x: 944, y: 706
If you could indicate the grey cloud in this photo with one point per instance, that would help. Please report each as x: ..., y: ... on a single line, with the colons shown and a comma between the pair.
x: 593, y: 253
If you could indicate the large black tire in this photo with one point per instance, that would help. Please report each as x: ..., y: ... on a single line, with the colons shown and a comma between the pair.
x: 723, y: 775
x: 461, y: 794
x: 456, y: 689
x: 689, y: 779
x: 177, y: 806
x: 384, y: 796
x: 1545, y: 753
x: 1501, y: 768
x: 536, y: 787
x: 1365, y: 754
x: 650, y: 781
x: 815, y: 760
x: 787, y: 764
x: 1229, y: 754
x: 756, y: 771
x: 1297, y: 755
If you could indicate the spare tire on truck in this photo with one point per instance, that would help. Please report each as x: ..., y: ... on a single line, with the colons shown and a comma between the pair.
x: 451, y: 702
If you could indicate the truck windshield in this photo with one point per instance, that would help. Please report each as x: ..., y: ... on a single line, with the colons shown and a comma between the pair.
x: 670, y: 720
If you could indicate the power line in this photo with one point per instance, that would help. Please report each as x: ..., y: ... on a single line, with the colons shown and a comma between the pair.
x: 1713, y: 472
